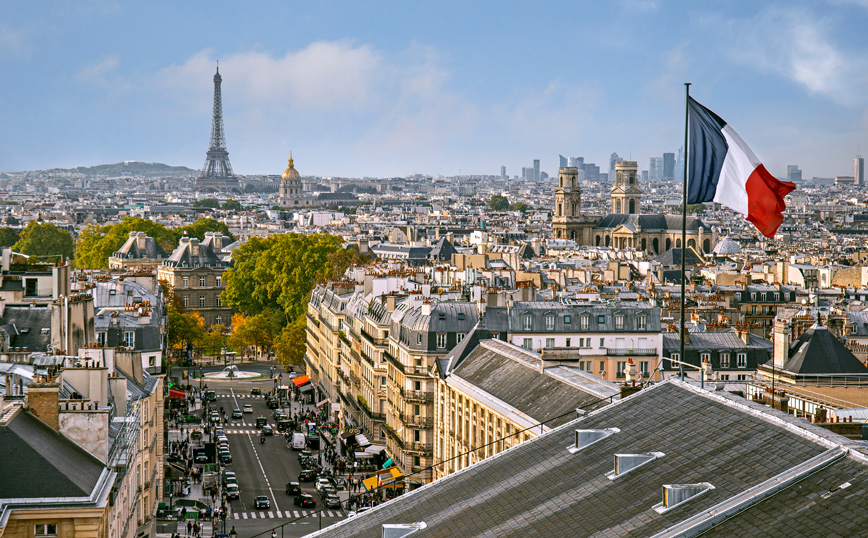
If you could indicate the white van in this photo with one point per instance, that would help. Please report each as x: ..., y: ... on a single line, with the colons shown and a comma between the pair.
x: 299, y: 441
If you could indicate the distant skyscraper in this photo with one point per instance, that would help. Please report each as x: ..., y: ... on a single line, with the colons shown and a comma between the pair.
x: 502, y: 172
x: 679, y: 165
x: 644, y: 176
x: 655, y: 168
x: 563, y: 161
x: 536, y: 169
x: 859, y: 170
x: 613, y: 158
x: 793, y: 173
x: 216, y: 175
x: 578, y: 162
x: 524, y: 172
x: 668, y: 166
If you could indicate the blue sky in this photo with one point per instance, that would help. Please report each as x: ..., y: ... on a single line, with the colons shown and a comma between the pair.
x: 393, y: 88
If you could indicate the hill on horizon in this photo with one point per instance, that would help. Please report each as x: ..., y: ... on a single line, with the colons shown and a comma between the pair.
x: 136, y: 168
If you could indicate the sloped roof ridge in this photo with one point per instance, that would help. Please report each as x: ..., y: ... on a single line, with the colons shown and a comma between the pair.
x: 512, y: 351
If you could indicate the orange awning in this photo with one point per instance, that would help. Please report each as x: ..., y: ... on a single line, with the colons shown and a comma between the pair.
x: 301, y: 380
x: 177, y: 394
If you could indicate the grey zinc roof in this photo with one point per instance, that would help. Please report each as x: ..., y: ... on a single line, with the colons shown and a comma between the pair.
x: 414, y: 320
x: 512, y: 376
x: 649, y: 223
x: 24, y: 326
x: 817, y: 351
x: 539, y: 488
x: 719, y: 340
x: 727, y: 246
x: 36, y: 461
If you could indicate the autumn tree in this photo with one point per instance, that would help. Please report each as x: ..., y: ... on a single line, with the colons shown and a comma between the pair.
x: 44, y: 239
x: 96, y: 244
x: 289, y: 347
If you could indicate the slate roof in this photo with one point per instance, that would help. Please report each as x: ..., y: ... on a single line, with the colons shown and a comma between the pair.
x: 673, y: 257
x: 817, y: 351
x: 649, y: 223
x: 130, y: 249
x: 24, y: 326
x: 512, y: 376
x: 36, y: 461
x: 539, y: 488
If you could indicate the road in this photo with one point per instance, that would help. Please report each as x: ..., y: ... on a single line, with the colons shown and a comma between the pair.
x: 264, y: 469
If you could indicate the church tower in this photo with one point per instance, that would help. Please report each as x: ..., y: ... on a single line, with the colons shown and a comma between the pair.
x: 626, y: 194
x: 290, y: 193
x: 568, y: 221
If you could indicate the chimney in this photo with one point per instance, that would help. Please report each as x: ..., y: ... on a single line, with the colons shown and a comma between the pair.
x: 426, y: 308
x: 43, y: 400
x: 390, y: 303
x: 194, y: 247
x: 781, y: 339
x: 744, y: 334
x: 141, y: 240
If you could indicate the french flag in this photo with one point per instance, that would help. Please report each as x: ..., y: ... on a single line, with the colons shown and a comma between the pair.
x: 722, y: 169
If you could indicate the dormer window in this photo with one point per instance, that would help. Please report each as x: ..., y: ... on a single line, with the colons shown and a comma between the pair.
x: 461, y: 316
x: 550, y: 322
x: 568, y: 319
x: 527, y: 322
x: 619, y: 322
x: 584, y: 322
x: 641, y: 322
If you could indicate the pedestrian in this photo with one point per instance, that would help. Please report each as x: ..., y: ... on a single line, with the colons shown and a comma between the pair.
x: 189, y: 528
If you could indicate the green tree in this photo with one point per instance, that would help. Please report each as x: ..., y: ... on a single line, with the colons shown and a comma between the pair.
x: 96, y: 244
x: 289, y: 346
x: 44, y: 239
x: 498, y: 203
x: 231, y: 205
x: 213, y: 203
x: 202, y: 225
x: 278, y: 272
x: 212, y: 340
x: 8, y: 237
x: 519, y: 206
x: 184, y: 328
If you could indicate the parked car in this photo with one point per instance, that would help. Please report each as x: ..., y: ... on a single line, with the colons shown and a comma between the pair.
x: 308, y: 475
x: 331, y: 500
x: 227, y: 476
x: 255, y: 391
x: 305, y: 500
x: 232, y: 492
x: 321, y: 483
x: 225, y: 456
x: 261, y: 502
x: 293, y: 488
x: 236, y: 413
x: 327, y: 490
x: 219, y: 432
x: 201, y: 458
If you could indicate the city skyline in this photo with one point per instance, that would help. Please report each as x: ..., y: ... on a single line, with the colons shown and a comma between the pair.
x: 357, y: 91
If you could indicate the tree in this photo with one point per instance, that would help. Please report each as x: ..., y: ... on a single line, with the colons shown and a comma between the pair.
x: 212, y: 203
x: 8, y: 237
x: 202, y: 225
x: 96, y: 244
x: 255, y: 332
x: 44, y: 239
x: 212, y: 340
x: 519, y: 206
x: 184, y: 328
x: 498, y: 203
x: 289, y: 347
x: 231, y: 205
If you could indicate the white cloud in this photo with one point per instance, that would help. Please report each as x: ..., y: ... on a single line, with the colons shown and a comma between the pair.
x: 798, y: 45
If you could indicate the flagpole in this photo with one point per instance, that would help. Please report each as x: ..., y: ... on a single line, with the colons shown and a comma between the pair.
x: 681, y: 357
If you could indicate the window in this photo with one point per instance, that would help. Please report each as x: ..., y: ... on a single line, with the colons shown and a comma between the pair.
x: 762, y: 297
x: 584, y: 322
x: 461, y: 316
x: 419, y: 339
x: 201, y: 301
x: 676, y: 357
x: 602, y: 368
x: 550, y: 342
x: 129, y: 339
x: 100, y: 339
x: 417, y: 461
x: 602, y: 342
x: 417, y: 385
x: 740, y: 377
x: 741, y: 359
x: 568, y: 342
x: 581, y: 365
x: 152, y: 361
x: 619, y: 321
x: 186, y: 301
x: 622, y: 365
x: 527, y: 323
x: 417, y: 436
x: 218, y: 320
x: 186, y: 282
x: 762, y: 309
x: 45, y: 529
x: 460, y: 336
x: 568, y: 319
x: 704, y: 357
x: 753, y: 309
x: 441, y: 340
x: 550, y: 323
x: 724, y: 360
x: 753, y: 296
x: 641, y: 322
x: 528, y: 343
x: 218, y: 301
x: 382, y: 381
x: 201, y: 281
x: 219, y: 281
x: 417, y: 410
x: 777, y: 297
x: 601, y: 319
x: 643, y: 368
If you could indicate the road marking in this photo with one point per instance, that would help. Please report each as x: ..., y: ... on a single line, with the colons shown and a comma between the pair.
x: 244, y: 514
x: 252, y: 515
x: 278, y: 514
x: 236, y: 515
x: 296, y: 514
x: 270, y: 514
x: 261, y: 468
x: 261, y: 515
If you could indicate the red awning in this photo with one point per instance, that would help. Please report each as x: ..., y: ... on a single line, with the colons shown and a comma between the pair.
x: 177, y: 394
x: 301, y: 380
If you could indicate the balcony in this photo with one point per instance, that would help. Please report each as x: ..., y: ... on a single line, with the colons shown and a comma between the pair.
x: 154, y: 370
x: 355, y: 379
x: 625, y: 352
x: 417, y: 395
x: 424, y: 448
x: 372, y: 340
x: 381, y: 417
x: 417, y: 421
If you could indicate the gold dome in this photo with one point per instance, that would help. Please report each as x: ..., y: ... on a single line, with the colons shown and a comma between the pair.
x: 291, y: 172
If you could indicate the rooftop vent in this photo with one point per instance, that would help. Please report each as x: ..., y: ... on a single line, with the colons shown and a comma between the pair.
x: 398, y: 530
x: 676, y: 494
x: 624, y: 463
x: 586, y: 438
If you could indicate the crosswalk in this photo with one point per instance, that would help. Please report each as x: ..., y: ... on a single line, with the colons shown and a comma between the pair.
x: 229, y: 395
x: 230, y: 431
x: 277, y: 514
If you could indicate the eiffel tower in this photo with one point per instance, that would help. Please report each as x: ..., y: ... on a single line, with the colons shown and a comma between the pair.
x: 216, y: 175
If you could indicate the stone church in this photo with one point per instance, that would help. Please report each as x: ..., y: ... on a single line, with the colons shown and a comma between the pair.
x: 624, y: 227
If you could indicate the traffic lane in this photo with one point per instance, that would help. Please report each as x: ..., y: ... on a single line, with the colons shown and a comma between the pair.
x: 296, y: 527
x: 245, y: 464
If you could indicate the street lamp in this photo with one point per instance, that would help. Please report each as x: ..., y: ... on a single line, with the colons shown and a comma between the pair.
x: 233, y: 533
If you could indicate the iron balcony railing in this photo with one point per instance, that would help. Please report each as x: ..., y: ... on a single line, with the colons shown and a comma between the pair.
x: 636, y: 351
